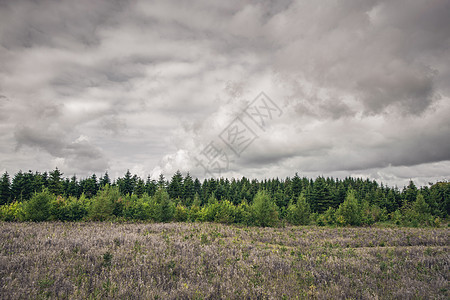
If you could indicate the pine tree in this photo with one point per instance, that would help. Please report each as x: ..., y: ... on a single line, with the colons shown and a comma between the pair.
x: 150, y: 186
x: 321, y: 196
x: 175, y: 188
x: 55, y: 184
x: 126, y: 184
x: 140, y: 188
x: 105, y: 180
x: 188, y: 190
x: 5, y: 189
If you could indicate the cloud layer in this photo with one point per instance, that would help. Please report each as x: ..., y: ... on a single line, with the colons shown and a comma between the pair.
x: 363, y: 87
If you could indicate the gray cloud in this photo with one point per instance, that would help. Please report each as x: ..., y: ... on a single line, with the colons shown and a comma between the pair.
x: 89, y: 86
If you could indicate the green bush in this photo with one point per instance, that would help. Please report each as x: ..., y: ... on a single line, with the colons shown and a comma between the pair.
x: 327, y: 218
x: 38, y: 207
x: 164, y: 207
x: 265, y: 211
x: 349, y: 212
x: 299, y: 213
x: 225, y: 212
x: 106, y: 204
x: 181, y: 213
x: 71, y: 209
x: 12, y: 212
x: 243, y: 214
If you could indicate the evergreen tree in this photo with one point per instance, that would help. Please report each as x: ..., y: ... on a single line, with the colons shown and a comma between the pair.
x: 264, y: 209
x: 18, y: 187
x: 104, y: 180
x: 150, y: 186
x: 410, y: 192
x: 55, y: 182
x: 5, y: 189
x: 126, y: 185
x: 299, y: 212
x: 188, y: 189
x: 165, y: 209
x: 162, y: 182
x: 349, y: 212
x: 38, y: 207
x: 140, y: 188
x: 321, y: 196
x: 73, y: 189
x: 175, y: 188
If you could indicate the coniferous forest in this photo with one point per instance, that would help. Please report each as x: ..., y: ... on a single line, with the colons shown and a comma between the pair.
x: 35, y: 196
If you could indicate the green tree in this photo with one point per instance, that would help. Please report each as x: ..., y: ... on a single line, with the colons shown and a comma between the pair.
x: 175, y: 188
x: 38, y: 207
x: 140, y: 187
x: 126, y: 184
x: 188, y: 189
x: 55, y: 182
x: 264, y: 209
x: 165, y: 208
x: 421, y: 208
x: 5, y: 189
x: 321, y: 196
x: 104, y: 180
x: 105, y: 204
x: 299, y: 213
x: 349, y: 212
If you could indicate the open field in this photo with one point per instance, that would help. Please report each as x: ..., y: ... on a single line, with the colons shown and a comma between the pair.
x: 209, y: 261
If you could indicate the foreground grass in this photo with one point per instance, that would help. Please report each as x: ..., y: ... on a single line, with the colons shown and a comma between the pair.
x: 210, y: 261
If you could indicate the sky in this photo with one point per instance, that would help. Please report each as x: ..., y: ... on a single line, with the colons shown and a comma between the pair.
x: 260, y: 89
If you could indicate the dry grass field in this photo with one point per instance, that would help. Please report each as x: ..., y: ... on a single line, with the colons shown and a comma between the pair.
x: 213, y: 261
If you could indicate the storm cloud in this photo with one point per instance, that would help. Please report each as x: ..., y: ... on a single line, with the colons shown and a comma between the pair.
x: 90, y: 86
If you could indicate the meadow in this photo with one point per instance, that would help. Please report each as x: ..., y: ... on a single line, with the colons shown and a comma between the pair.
x: 95, y: 260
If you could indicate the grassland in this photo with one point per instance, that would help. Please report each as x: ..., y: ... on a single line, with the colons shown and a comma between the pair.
x: 211, y: 261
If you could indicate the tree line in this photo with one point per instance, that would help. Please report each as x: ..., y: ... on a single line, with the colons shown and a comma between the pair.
x: 296, y: 200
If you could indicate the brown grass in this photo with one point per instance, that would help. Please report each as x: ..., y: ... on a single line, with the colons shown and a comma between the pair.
x: 210, y: 261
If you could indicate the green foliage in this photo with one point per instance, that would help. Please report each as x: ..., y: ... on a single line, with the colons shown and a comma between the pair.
x: 38, y: 207
x: 327, y: 218
x: 225, y: 212
x: 181, y: 213
x: 55, y: 182
x: 264, y: 210
x: 165, y: 208
x: 143, y: 208
x: 106, y: 204
x: 12, y: 212
x: 71, y: 209
x: 244, y: 214
x: 349, y: 212
x: 224, y: 201
x: 299, y: 213
x: 5, y: 189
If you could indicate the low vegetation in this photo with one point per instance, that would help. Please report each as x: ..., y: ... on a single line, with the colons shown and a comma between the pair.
x: 91, y: 260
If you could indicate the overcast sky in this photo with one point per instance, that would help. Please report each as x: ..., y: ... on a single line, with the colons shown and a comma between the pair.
x: 354, y: 88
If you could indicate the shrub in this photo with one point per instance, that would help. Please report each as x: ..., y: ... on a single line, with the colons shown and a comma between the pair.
x: 243, y: 214
x: 181, y: 213
x: 328, y: 217
x: 299, y: 213
x: 105, y: 204
x: 225, y: 212
x: 12, y: 211
x: 38, y: 207
x: 165, y: 208
x: 264, y: 210
x: 349, y: 212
